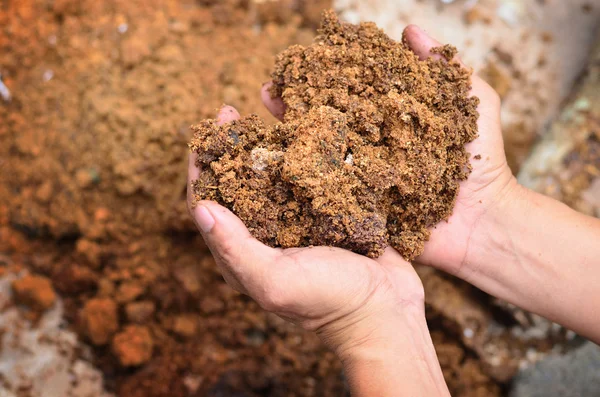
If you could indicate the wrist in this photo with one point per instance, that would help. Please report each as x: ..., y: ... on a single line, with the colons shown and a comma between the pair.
x: 396, y: 354
x: 491, y: 236
x: 383, y: 334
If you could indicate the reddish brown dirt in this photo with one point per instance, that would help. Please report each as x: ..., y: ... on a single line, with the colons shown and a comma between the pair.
x: 133, y: 346
x: 36, y: 292
x: 99, y: 320
x: 92, y: 179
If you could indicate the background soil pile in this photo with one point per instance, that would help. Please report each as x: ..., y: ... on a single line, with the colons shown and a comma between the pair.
x: 369, y: 155
x: 92, y: 179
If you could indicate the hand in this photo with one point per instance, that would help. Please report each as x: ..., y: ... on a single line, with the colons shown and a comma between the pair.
x: 328, y: 290
x: 370, y: 312
x: 490, y: 183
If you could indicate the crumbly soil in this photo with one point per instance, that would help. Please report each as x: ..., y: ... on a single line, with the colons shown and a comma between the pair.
x: 370, y: 153
x: 92, y: 196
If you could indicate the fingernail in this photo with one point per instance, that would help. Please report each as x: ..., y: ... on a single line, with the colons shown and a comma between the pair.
x: 204, y: 219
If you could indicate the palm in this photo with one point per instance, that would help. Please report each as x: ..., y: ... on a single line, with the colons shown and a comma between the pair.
x: 313, y: 287
x: 305, y: 278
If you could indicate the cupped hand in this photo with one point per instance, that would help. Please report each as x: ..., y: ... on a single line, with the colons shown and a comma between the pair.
x: 348, y: 299
x: 489, y: 186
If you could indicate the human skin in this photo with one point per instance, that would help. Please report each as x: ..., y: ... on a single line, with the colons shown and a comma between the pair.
x: 515, y: 244
x: 509, y: 241
x: 370, y: 312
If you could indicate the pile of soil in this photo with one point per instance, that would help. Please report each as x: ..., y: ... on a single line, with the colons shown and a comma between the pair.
x: 93, y: 161
x: 370, y: 154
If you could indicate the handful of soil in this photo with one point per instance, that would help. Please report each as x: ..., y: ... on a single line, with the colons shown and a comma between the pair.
x: 370, y: 153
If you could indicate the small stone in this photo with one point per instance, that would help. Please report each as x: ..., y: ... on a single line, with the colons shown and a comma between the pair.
x: 128, y: 292
x: 99, y: 319
x: 133, y: 346
x: 101, y: 214
x: 185, y: 326
x: 87, y: 177
x: 140, y: 312
x: 89, y: 250
x: 211, y: 305
x: 189, y: 278
x: 36, y: 292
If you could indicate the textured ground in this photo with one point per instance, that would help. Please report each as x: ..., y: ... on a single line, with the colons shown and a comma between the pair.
x: 96, y: 102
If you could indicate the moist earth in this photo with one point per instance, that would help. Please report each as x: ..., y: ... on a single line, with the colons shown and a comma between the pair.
x: 92, y: 196
x: 370, y: 152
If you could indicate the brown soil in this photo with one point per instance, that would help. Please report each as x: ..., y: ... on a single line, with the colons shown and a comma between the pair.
x: 92, y: 183
x: 133, y: 346
x: 370, y: 153
x: 36, y: 292
x: 99, y: 320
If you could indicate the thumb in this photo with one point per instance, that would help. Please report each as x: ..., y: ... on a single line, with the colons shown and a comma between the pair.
x: 244, y: 261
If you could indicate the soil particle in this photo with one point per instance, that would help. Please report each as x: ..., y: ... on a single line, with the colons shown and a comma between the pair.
x: 133, y: 346
x: 185, y: 325
x: 128, y: 292
x: 370, y: 153
x: 140, y: 312
x: 36, y: 292
x: 100, y: 320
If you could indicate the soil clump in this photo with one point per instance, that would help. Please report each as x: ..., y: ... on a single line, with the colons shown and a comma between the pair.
x: 370, y: 153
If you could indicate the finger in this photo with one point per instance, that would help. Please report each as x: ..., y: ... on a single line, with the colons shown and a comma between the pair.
x: 225, y: 115
x: 241, y: 257
x: 391, y: 257
x: 275, y: 105
x: 421, y: 43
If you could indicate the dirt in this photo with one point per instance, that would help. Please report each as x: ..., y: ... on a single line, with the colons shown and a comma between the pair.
x: 133, y: 346
x: 99, y: 320
x: 36, y: 292
x: 92, y: 180
x: 41, y: 358
x: 370, y: 152
x: 566, y: 163
x: 120, y: 76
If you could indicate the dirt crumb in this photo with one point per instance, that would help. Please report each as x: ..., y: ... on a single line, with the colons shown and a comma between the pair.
x: 36, y: 292
x: 185, y: 325
x: 100, y: 320
x: 140, y: 312
x: 133, y: 346
x: 370, y: 152
x: 447, y: 51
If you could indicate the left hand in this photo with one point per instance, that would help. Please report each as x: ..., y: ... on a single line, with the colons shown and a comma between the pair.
x: 348, y: 299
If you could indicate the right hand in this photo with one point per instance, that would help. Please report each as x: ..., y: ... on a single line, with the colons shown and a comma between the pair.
x: 489, y: 186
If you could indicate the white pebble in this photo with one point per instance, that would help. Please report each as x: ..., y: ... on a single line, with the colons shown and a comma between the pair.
x: 48, y: 75
x: 468, y: 333
x: 4, y: 92
x: 349, y: 159
x: 122, y: 28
